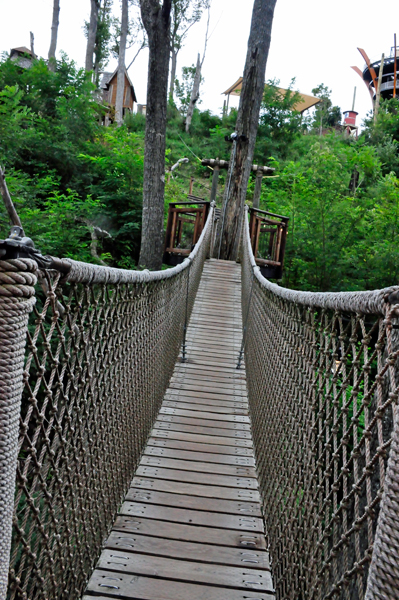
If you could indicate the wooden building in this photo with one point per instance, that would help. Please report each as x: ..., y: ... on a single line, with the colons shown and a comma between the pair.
x: 22, y: 56
x: 108, y: 87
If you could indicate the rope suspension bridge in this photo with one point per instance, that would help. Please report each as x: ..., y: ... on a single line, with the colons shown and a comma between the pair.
x: 196, y: 433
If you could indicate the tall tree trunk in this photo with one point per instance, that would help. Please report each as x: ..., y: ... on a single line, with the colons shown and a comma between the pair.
x: 156, y: 19
x: 194, y: 94
x: 247, y: 124
x: 120, y: 82
x: 91, y: 34
x: 54, y: 34
x: 172, y: 74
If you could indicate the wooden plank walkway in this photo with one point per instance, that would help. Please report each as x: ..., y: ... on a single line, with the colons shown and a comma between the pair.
x: 191, y: 526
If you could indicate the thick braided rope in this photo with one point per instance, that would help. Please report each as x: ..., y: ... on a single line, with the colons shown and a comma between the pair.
x: 17, y: 280
x: 383, y: 582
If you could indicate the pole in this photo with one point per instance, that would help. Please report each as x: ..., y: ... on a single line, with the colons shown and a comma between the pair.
x: 378, y: 96
x: 215, y: 179
x: 258, y: 189
x: 354, y: 98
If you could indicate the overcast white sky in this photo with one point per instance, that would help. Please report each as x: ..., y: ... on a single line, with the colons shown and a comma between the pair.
x: 313, y: 40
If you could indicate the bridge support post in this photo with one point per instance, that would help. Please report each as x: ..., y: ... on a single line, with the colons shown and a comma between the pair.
x: 17, y: 280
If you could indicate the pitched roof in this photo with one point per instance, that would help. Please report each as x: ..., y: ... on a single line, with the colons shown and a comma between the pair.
x: 107, y: 78
x: 303, y: 104
x: 22, y: 49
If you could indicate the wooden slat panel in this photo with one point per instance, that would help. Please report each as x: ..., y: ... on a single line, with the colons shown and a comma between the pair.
x: 195, y: 477
x: 194, y: 503
x: 235, y: 433
x: 195, y: 489
x: 205, y: 457
x: 206, y: 439
x: 194, y: 517
x: 183, y: 570
x: 215, y: 409
x: 148, y: 588
x: 258, y: 559
x: 188, y: 533
x: 199, y: 446
x: 198, y: 466
x: 203, y: 415
x: 197, y: 421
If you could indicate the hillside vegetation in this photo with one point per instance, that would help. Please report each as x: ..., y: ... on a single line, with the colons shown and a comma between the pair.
x: 67, y: 173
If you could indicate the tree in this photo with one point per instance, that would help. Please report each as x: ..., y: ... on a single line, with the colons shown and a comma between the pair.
x: 120, y: 82
x: 185, y: 13
x: 105, y: 28
x: 325, y: 115
x: 54, y: 34
x: 184, y: 88
x: 279, y: 122
x: 247, y: 124
x: 156, y: 19
x: 197, y: 81
x: 92, y: 34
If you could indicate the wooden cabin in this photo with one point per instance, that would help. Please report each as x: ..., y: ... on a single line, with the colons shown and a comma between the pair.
x: 22, y: 56
x: 108, y: 87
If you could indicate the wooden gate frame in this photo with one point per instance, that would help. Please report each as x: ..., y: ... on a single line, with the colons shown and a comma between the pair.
x: 174, y: 229
x: 276, y: 225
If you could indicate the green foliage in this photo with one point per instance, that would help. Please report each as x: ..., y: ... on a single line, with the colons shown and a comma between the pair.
x: 184, y: 88
x: 325, y: 115
x: 279, y: 123
x: 67, y: 174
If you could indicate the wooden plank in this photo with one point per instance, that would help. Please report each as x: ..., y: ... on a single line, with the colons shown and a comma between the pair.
x: 188, y: 533
x: 184, y: 570
x: 205, y: 457
x: 236, y: 433
x: 148, y: 588
x: 233, y: 481
x: 232, y: 403
x: 207, y: 395
x: 212, y: 416
x: 193, y: 517
x: 199, y: 447
x: 215, y: 409
x: 195, y: 489
x: 198, y: 422
x: 198, y: 466
x: 205, y: 439
x: 194, y: 502
x: 249, y: 559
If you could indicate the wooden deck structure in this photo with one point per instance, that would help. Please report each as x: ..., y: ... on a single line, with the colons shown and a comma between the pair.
x: 191, y: 527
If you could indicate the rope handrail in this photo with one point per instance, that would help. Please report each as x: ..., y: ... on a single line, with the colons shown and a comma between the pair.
x: 77, y: 406
x: 323, y: 393
x: 366, y: 302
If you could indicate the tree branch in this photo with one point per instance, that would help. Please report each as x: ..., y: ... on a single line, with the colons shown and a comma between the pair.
x: 8, y: 203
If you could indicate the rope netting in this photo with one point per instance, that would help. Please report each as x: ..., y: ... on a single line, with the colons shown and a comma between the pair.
x: 322, y: 373
x: 101, y: 347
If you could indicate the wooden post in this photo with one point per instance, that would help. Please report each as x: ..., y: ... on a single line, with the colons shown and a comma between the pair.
x: 191, y: 186
x: 215, y: 179
x: 378, y: 96
x: 258, y: 188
